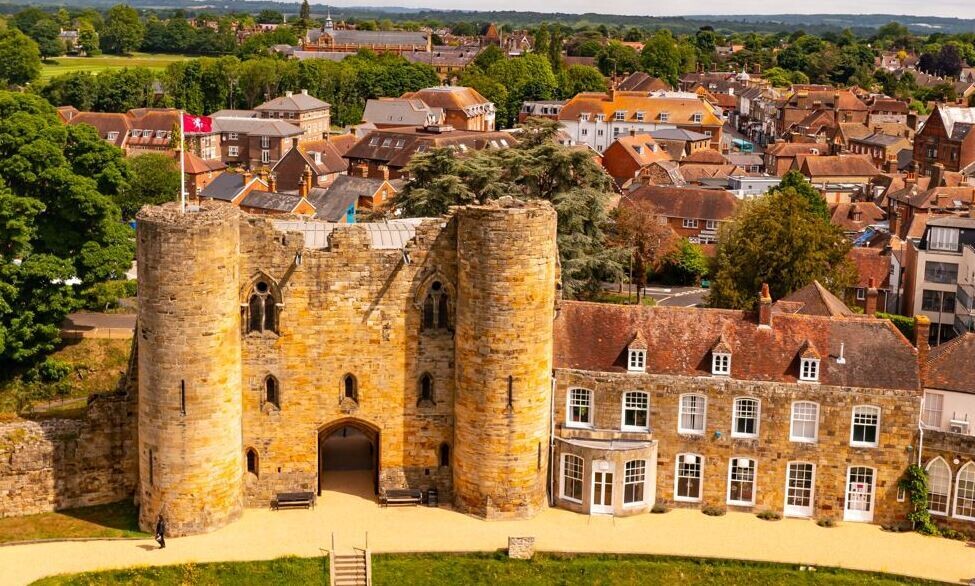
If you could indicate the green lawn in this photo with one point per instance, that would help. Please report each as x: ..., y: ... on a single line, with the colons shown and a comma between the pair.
x: 61, y: 65
x: 493, y: 569
x: 114, y: 520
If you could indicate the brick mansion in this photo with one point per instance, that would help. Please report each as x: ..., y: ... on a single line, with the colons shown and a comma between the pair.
x: 444, y: 348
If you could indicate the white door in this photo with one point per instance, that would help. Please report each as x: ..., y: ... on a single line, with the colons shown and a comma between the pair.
x: 859, y: 494
x: 602, y: 487
x: 799, y: 483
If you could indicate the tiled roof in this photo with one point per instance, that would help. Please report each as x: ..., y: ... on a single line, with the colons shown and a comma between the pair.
x: 449, y: 97
x: 949, y: 365
x: 791, y: 149
x: 642, y: 82
x: 594, y: 337
x: 685, y: 202
x: 105, y: 122
x: 343, y: 142
x: 817, y: 300
x: 641, y: 148
x: 838, y: 166
x: 827, y: 97
x: 194, y: 165
x: 697, y: 172
x: 871, y: 263
x: 705, y: 156
x: 396, y: 146
x: 844, y: 215
x: 679, y: 110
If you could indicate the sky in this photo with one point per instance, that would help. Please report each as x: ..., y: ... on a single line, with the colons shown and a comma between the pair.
x: 956, y: 8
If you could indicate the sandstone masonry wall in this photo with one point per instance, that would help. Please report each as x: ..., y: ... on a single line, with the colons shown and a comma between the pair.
x: 56, y: 464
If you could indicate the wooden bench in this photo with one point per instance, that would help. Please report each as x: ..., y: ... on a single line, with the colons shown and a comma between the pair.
x: 401, y: 496
x: 292, y: 500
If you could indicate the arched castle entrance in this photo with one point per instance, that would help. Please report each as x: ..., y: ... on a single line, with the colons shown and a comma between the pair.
x: 348, y: 457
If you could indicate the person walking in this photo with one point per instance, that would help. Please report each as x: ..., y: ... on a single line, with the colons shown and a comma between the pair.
x: 161, y: 532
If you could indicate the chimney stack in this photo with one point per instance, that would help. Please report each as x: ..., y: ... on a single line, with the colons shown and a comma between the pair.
x: 304, y: 187
x: 765, y: 308
x: 262, y: 174
x: 922, y: 329
x: 272, y: 183
x: 893, y: 219
x: 872, y: 295
x: 937, y: 174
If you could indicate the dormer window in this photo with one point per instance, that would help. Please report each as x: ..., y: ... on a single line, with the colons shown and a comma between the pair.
x: 697, y: 118
x: 584, y: 116
x: 638, y: 149
x: 620, y: 115
x: 664, y: 116
x: 637, y: 361
x: 809, y: 369
x: 639, y: 116
x: 600, y: 117
x: 720, y: 364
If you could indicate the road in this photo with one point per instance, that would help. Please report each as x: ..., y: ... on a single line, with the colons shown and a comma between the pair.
x: 668, y: 296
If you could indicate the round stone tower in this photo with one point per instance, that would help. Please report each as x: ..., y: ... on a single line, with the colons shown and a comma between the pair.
x: 506, y: 255
x: 190, y: 461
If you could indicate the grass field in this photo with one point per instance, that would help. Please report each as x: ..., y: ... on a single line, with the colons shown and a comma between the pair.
x: 493, y: 569
x: 104, y: 62
x: 114, y: 520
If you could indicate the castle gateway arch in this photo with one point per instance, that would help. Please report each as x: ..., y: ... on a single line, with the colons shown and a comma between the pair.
x: 348, y: 453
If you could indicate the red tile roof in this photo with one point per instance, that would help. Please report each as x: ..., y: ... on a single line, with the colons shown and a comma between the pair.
x: 871, y: 263
x: 813, y: 299
x: 949, y: 365
x: 684, y: 202
x: 594, y: 337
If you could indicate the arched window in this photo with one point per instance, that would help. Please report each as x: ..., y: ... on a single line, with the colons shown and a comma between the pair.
x: 426, y: 389
x: 444, y: 455
x: 350, y: 388
x: 939, y: 485
x: 435, y: 308
x: 271, y: 394
x: 252, y: 462
x: 262, y: 309
x: 965, y: 492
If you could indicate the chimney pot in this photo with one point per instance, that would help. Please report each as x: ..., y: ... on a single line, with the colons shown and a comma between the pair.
x: 272, y: 183
x: 765, y: 307
x: 289, y: 93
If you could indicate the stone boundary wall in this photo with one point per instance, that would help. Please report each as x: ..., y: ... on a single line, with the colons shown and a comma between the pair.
x: 56, y: 464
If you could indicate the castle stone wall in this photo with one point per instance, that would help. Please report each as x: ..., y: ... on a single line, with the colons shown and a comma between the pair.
x: 56, y: 464
x: 506, y: 300
x: 189, y: 368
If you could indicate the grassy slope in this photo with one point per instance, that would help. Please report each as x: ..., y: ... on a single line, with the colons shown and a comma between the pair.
x: 98, y: 366
x: 114, y: 520
x: 493, y: 569
x: 62, y: 65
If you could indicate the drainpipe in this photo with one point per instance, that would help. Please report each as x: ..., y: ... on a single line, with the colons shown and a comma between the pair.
x: 920, y: 430
x: 551, y: 448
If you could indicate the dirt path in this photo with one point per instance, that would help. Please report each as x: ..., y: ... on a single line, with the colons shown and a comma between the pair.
x: 262, y: 534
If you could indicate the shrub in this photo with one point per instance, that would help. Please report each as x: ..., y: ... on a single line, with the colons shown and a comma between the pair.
x: 901, y: 322
x: 659, y: 508
x: 915, y: 483
x: 713, y: 510
x: 52, y: 371
x: 102, y: 296
x: 897, y: 527
x: 826, y: 522
x: 950, y: 533
x: 769, y: 515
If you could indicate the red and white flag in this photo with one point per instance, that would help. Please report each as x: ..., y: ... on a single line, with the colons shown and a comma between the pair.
x: 197, y: 123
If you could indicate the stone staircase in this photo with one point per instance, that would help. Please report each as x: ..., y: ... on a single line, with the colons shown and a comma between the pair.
x: 350, y: 567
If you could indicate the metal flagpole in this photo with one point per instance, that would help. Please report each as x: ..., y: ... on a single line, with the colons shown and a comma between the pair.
x: 182, y: 165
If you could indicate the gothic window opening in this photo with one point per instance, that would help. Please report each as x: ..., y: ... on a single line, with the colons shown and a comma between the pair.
x: 435, y: 308
x: 271, y: 393
x: 262, y: 309
x: 350, y: 388
x: 426, y: 389
x: 444, y: 455
x: 252, y: 461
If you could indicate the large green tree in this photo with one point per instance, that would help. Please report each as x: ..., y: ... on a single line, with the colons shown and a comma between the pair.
x: 781, y: 240
x: 20, y: 59
x: 58, y: 223
x: 123, y: 31
x: 155, y: 180
x: 538, y: 168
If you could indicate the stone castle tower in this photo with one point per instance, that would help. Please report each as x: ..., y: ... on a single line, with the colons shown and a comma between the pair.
x: 506, y: 274
x: 190, y: 462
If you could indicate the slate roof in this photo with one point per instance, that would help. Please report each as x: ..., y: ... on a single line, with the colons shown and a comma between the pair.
x: 270, y: 200
x: 594, y: 336
x: 332, y: 202
x: 949, y: 366
x: 300, y: 102
x: 224, y: 186
x: 678, y: 134
x: 685, y: 202
x: 256, y: 126
x: 401, y: 111
x: 396, y: 146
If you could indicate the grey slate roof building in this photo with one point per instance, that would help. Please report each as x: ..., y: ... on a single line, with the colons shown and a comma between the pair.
x: 271, y: 201
x: 294, y: 102
x: 401, y: 112
x: 332, y: 203
x: 225, y: 187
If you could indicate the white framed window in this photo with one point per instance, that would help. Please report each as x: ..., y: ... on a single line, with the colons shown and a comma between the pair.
x: 741, y: 482
x: 711, y: 224
x: 692, y: 414
x: 689, y: 223
x: 664, y: 116
x: 265, y: 142
x: 584, y: 116
x: 620, y: 115
x: 265, y: 156
x: 572, y: 468
x: 809, y: 369
x: 861, y: 293
x: 579, y: 408
x: 939, y: 486
x: 934, y: 405
x: 697, y: 118
x: 599, y: 132
x: 943, y: 239
x: 720, y: 364
x: 639, y: 116
x: 233, y: 151
x: 637, y: 361
x: 707, y: 133
x: 161, y: 134
x: 135, y: 133
x: 745, y: 417
x: 804, y: 426
x: 865, y: 429
x: 146, y: 134
x: 634, y: 482
x: 636, y: 411
x: 688, y: 478
x: 232, y: 136
x: 112, y: 136
x: 965, y: 493
x: 585, y: 132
